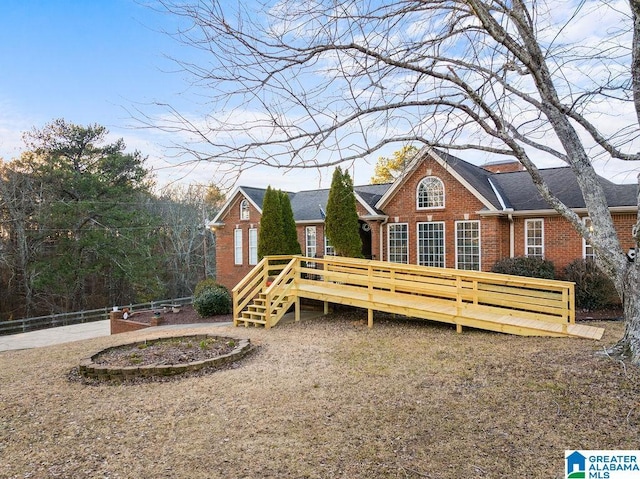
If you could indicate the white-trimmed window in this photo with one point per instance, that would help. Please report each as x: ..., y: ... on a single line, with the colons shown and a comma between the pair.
x: 431, y: 244
x: 468, y: 245
x: 237, y: 246
x: 244, y: 210
x: 430, y: 193
x: 310, y: 248
x: 534, y: 238
x: 328, y: 249
x: 587, y: 250
x: 398, y: 242
x: 253, y: 246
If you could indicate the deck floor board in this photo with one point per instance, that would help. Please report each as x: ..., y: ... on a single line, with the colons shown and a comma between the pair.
x: 442, y: 310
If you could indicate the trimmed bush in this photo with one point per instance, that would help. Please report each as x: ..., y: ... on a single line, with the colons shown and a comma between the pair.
x: 594, y: 290
x: 212, y: 302
x: 208, y: 284
x: 526, y: 266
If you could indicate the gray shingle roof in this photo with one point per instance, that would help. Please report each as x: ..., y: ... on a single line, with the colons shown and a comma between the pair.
x: 477, y: 177
x: 516, y: 190
x: 311, y: 205
x: 520, y: 193
x: 255, y: 194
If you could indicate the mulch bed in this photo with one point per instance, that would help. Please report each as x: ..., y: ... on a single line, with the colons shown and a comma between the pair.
x: 177, y: 350
x: 187, y: 315
x: 614, y: 313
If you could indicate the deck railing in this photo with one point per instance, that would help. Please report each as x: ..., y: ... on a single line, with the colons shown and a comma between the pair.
x: 259, y: 280
x: 533, y: 298
x: 529, y: 298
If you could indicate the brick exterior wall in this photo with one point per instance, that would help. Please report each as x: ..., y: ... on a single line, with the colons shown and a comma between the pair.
x: 562, y: 244
x: 460, y: 205
x: 504, y: 167
x: 119, y: 325
x: 227, y: 272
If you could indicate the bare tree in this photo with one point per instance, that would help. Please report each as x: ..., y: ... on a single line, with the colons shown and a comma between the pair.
x: 186, y: 244
x: 19, y: 200
x: 301, y: 84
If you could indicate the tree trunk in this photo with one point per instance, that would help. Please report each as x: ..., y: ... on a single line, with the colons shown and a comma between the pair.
x: 629, y: 346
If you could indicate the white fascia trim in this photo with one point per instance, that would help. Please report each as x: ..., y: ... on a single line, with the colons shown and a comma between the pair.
x: 248, y: 198
x: 498, y: 195
x: 552, y: 212
x: 370, y: 210
x: 376, y: 217
x: 464, y: 182
x: 225, y: 208
x: 319, y: 221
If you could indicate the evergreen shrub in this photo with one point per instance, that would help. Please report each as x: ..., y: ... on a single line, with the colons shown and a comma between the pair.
x: 594, y: 290
x: 212, y: 302
x: 208, y: 283
x: 525, y: 266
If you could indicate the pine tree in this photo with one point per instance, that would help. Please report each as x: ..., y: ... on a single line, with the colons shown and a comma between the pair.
x: 271, y: 237
x: 291, y: 244
x: 341, y: 223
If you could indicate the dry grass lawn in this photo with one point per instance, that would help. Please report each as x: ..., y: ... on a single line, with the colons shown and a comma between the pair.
x: 326, y: 398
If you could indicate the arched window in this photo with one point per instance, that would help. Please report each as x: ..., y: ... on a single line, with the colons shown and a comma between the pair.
x: 430, y: 193
x: 244, y: 210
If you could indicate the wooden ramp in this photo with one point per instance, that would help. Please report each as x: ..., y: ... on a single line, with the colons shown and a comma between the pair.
x: 495, y: 302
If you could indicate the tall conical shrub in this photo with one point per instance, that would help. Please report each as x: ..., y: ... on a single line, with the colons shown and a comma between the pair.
x: 341, y: 222
x: 271, y: 236
x: 291, y: 244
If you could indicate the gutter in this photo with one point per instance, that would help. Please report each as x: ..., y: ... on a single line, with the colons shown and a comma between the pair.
x: 552, y: 212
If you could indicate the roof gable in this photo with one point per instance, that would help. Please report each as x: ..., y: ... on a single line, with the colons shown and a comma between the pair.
x: 307, y: 206
x: 473, y: 178
x: 510, y: 191
x: 254, y: 195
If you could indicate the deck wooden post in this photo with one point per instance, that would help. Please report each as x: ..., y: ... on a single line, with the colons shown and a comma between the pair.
x: 236, y: 309
x: 326, y: 308
x: 267, y: 312
x: 458, y: 328
x: 297, y: 309
x: 370, y: 318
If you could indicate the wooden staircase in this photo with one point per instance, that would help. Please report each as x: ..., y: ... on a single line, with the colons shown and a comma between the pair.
x: 256, y: 311
x: 266, y: 293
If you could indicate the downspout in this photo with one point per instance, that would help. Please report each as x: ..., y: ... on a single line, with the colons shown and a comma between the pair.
x: 512, y: 247
x: 382, y: 223
x: 512, y: 241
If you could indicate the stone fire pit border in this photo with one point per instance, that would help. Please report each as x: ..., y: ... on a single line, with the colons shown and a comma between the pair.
x: 89, y: 369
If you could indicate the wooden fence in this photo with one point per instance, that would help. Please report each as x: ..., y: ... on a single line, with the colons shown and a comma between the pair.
x: 16, y: 326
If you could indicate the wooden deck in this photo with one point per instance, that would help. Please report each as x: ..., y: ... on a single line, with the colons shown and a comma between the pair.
x: 495, y: 302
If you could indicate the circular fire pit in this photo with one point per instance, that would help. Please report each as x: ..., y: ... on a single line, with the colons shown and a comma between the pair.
x: 168, y: 356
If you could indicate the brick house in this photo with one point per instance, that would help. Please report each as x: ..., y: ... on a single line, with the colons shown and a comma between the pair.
x: 442, y: 211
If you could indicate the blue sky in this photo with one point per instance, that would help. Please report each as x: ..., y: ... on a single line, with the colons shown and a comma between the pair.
x: 92, y: 61
x: 81, y: 60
